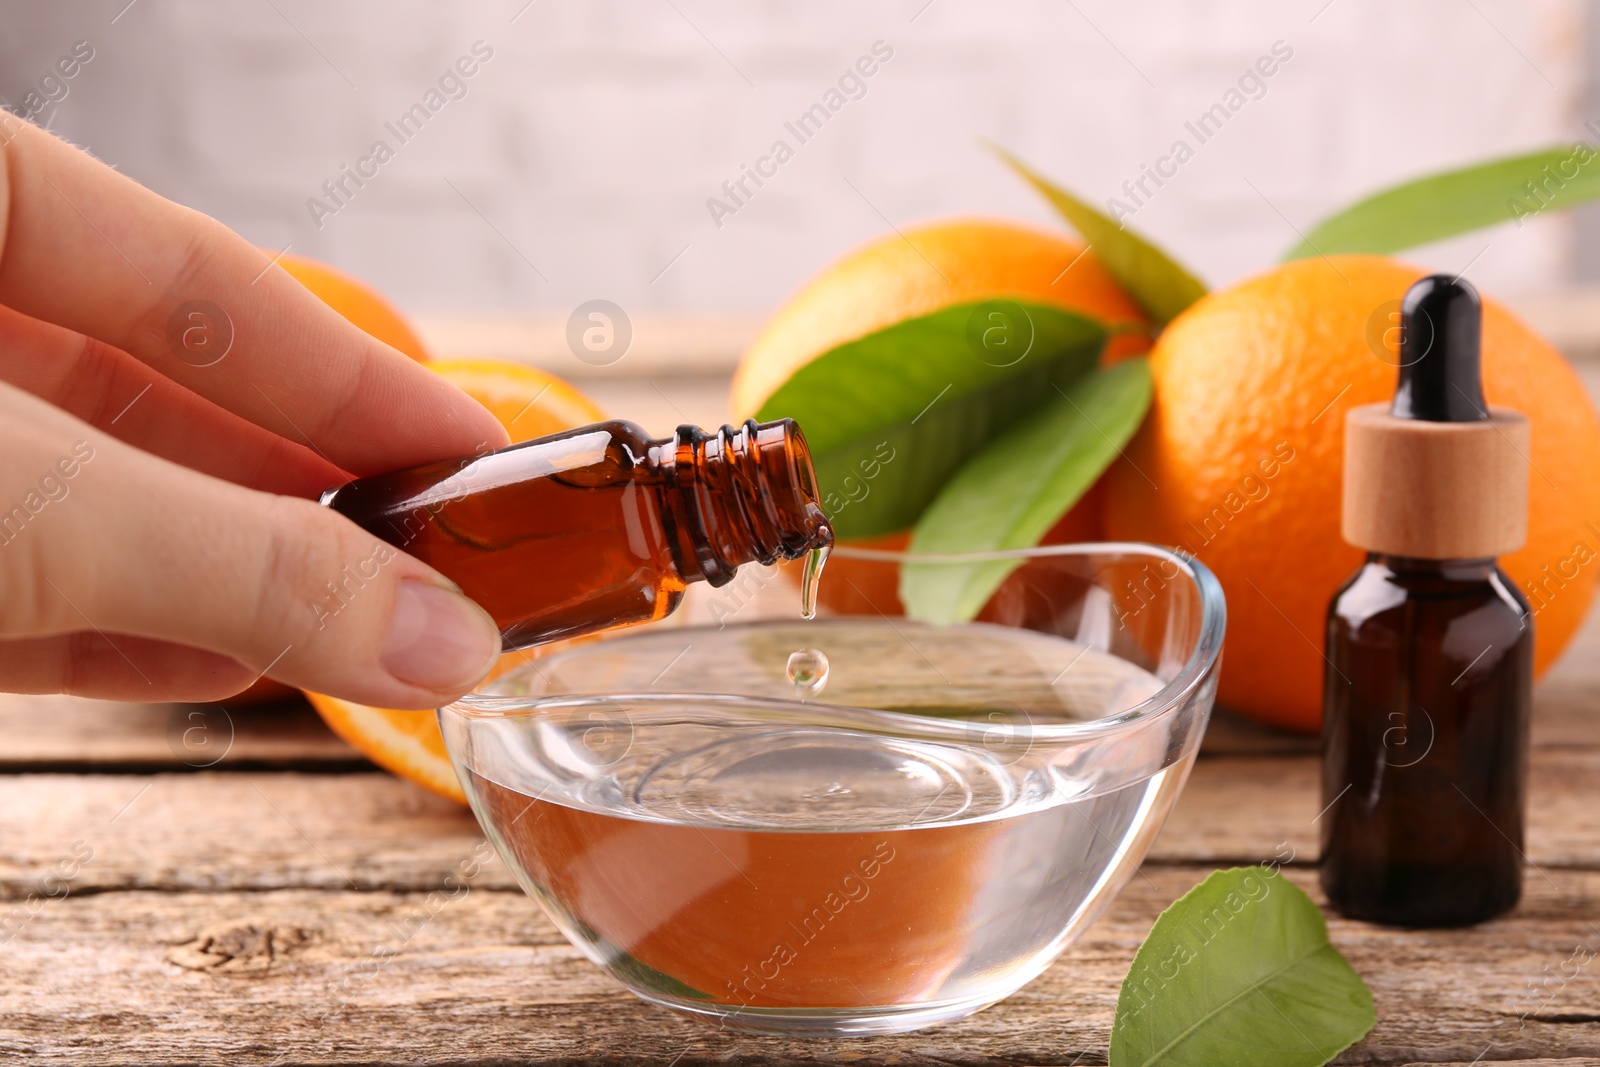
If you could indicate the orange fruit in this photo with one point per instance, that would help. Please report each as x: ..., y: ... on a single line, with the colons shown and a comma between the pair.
x: 1241, y: 462
x: 404, y: 742
x: 529, y: 404
x: 929, y: 267
x: 358, y: 302
x: 896, y: 277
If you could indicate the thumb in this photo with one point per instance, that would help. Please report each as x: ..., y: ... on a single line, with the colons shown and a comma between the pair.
x: 137, y: 545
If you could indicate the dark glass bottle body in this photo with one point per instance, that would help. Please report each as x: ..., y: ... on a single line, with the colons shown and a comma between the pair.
x: 600, y: 526
x: 1425, y: 740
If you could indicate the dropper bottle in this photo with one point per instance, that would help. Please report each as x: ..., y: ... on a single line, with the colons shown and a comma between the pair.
x: 600, y: 526
x: 1429, y: 645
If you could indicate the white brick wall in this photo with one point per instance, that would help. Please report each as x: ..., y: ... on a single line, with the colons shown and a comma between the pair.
x: 594, y: 136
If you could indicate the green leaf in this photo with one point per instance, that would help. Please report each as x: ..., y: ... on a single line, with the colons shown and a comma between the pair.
x: 1154, y: 279
x: 1011, y: 493
x: 1456, y: 201
x: 1239, y: 971
x: 890, y: 416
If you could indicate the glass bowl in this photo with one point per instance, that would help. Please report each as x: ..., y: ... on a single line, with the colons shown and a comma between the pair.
x: 862, y: 823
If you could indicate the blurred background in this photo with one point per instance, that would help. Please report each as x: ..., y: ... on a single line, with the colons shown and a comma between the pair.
x: 584, y: 156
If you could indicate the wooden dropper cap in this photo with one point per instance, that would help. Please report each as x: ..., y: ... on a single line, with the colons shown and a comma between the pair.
x: 1437, y: 474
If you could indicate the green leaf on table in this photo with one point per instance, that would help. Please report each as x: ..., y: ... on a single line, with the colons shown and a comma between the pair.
x: 1012, y: 492
x: 1457, y: 201
x: 1153, y: 278
x: 890, y: 416
x: 1239, y: 971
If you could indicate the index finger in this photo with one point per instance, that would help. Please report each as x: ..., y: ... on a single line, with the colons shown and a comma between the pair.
x: 89, y: 249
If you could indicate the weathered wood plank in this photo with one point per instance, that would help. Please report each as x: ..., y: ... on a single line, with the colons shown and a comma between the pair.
x: 1253, y: 810
x: 356, y: 977
x: 369, y: 831
x: 243, y: 830
x: 1566, y: 711
x: 59, y: 733
x: 43, y: 733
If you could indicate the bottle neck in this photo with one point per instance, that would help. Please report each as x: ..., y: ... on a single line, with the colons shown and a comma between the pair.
x: 1452, y: 570
x: 739, y: 496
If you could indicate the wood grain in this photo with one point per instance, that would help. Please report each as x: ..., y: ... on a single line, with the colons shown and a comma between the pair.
x: 244, y: 830
x: 273, y: 908
x: 42, y: 733
x: 381, y: 977
x: 48, y: 733
x: 238, y: 831
x: 58, y: 733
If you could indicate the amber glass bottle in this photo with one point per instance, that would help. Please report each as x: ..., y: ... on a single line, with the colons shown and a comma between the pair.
x: 1430, y: 667
x: 600, y: 526
x: 1430, y: 646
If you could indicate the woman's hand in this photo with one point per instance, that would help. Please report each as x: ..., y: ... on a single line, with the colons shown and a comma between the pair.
x: 169, y: 400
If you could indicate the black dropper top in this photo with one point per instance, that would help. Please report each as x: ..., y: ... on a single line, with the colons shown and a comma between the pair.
x: 1440, y: 319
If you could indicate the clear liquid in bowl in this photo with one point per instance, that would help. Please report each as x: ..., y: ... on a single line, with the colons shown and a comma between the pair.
x: 789, y: 875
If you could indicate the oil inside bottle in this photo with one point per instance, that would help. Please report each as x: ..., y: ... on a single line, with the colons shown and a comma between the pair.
x: 600, y: 526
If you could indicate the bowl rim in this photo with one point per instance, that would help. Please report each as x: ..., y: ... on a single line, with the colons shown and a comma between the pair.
x: 1165, y: 701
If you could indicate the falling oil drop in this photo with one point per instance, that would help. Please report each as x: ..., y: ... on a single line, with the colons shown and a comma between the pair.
x: 808, y: 671
x: 810, y: 578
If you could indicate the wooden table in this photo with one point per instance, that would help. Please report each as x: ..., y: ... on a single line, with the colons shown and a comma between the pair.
x: 287, y: 905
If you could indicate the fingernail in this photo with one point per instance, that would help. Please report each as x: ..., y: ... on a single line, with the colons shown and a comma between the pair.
x: 438, y: 639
